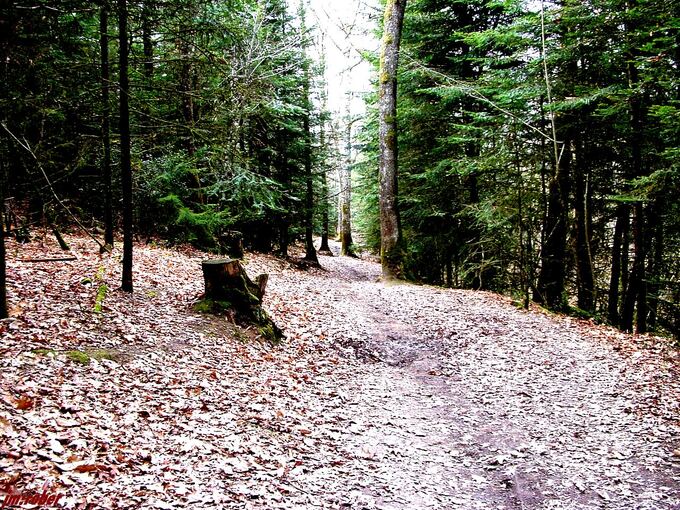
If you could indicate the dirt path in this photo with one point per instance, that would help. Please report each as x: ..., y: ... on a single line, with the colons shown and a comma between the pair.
x: 383, y: 397
x: 475, y: 404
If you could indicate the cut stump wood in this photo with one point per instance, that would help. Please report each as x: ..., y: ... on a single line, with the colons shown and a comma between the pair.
x: 227, y: 286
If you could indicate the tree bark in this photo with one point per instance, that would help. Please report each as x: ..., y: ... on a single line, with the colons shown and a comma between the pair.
x: 147, y: 42
x: 284, y: 223
x: 654, y: 285
x: 584, y: 261
x: 391, y: 249
x: 615, y: 275
x: 4, y: 312
x: 106, y: 124
x: 346, y: 198
x: 325, y: 224
x: 145, y: 108
x: 637, y: 287
x: 125, y: 162
x: 310, y: 250
x: 551, y: 280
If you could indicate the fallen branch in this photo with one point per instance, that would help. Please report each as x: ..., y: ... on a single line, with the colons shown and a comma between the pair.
x: 56, y: 259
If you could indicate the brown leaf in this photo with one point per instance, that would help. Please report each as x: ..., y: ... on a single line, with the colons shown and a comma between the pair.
x: 24, y: 403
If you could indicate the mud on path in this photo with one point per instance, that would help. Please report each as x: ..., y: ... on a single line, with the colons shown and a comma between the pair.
x: 464, y: 401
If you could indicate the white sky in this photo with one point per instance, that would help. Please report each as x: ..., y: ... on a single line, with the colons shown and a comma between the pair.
x: 349, y: 28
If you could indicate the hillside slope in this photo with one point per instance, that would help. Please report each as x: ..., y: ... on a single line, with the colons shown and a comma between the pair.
x: 397, y: 396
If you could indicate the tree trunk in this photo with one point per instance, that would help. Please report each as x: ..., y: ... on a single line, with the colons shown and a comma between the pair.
x: 338, y: 226
x: 284, y: 223
x: 637, y: 288
x: 391, y: 250
x: 325, y: 225
x: 186, y: 90
x: 147, y: 48
x: 227, y: 280
x: 584, y: 261
x: 551, y: 280
x: 125, y: 163
x: 625, y: 259
x: 615, y: 276
x: 346, y: 198
x: 4, y: 313
x: 106, y: 125
x: 310, y: 250
x: 654, y: 286
x: 147, y: 42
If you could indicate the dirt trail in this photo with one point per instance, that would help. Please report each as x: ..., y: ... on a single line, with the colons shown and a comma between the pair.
x: 475, y: 404
x: 383, y: 397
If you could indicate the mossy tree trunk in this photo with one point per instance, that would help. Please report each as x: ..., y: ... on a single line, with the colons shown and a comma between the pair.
x: 391, y: 249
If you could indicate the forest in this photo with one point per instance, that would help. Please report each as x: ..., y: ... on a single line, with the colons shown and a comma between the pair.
x: 537, y: 147
x: 505, y: 202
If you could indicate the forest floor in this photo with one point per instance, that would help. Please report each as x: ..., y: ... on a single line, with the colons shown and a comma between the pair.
x: 382, y: 396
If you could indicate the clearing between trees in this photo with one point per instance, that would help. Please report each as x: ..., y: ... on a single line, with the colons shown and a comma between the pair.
x: 382, y: 396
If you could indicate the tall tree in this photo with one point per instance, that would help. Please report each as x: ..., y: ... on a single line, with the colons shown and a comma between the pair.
x: 552, y: 278
x: 325, y: 222
x: 125, y: 157
x: 106, y: 122
x: 391, y: 249
x: 3, y: 263
x: 345, y: 197
x: 324, y: 152
x: 310, y: 250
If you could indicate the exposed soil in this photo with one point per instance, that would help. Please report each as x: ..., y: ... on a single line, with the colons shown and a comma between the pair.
x: 476, y: 404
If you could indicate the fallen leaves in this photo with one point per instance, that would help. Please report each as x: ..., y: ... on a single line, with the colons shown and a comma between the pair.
x: 476, y: 404
x: 24, y: 403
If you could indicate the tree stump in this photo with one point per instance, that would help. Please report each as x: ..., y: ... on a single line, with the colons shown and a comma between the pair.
x: 228, y: 287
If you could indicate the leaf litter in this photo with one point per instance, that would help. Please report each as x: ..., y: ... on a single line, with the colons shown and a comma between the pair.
x: 382, y: 396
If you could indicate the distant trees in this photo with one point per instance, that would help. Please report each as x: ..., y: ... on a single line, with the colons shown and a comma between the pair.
x: 217, y: 119
x: 492, y: 197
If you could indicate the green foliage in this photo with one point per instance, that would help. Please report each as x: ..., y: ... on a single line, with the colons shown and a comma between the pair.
x: 44, y: 352
x: 211, y: 306
x: 218, y: 109
x: 475, y: 151
x: 84, y: 357
x: 99, y: 300
x: 78, y: 357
